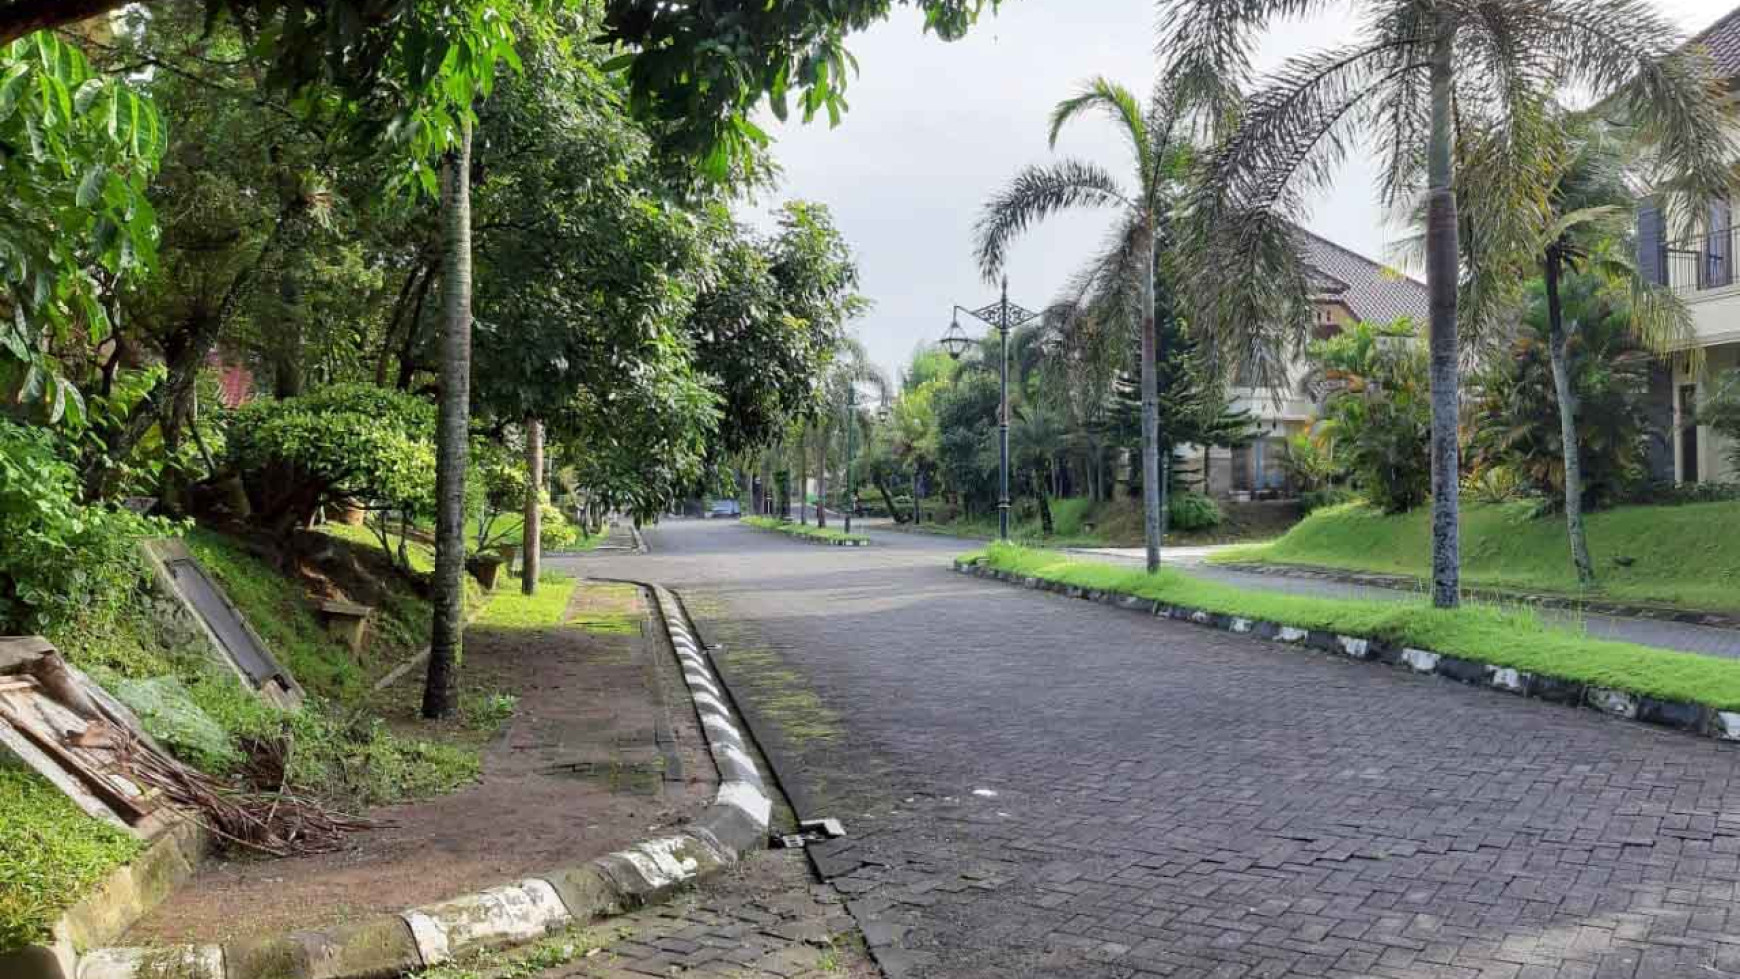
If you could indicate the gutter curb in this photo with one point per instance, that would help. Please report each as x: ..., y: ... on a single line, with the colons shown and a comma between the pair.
x: 1693, y: 718
x: 388, y: 945
x: 808, y: 539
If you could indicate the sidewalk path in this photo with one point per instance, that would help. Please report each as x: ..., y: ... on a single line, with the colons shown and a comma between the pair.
x: 1034, y: 786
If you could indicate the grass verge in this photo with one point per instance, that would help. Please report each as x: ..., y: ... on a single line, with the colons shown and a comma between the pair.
x: 1510, y: 637
x: 508, y: 608
x: 1670, y: 555
x: 804, y: 530
x: 53, y: 853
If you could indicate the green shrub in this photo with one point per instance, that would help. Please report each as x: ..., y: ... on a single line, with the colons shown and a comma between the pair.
x: 1187, y: 510
x: 1379, y: 411
x: 1516, y: 425
x: 1322, y: 499
x: 348, y: 441
x: 63, y: 562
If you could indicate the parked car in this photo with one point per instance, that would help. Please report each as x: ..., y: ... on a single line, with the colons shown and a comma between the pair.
x: 724, y: 508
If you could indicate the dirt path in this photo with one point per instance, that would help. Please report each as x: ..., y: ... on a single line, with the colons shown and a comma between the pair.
x: 577, y: 772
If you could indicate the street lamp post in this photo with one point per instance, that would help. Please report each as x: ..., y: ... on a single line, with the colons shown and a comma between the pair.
x: 1002, y: 316
x: 851, y: 423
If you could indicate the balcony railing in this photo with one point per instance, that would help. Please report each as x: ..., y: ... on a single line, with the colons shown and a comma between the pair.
x: 1697, y: 262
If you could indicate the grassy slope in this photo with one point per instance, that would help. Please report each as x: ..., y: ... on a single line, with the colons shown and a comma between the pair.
x: 1506, y: 637
x: 53, y: 852
x: 1683, y: 555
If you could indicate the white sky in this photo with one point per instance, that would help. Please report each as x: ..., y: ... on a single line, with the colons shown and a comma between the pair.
x: 935, y: 128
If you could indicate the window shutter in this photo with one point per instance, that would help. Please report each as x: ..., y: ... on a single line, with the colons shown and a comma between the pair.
x: 1720, y: 259
x: 1651, y: 243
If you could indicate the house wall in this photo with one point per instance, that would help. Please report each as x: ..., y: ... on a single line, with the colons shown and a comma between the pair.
x: 1278, y: 417
x: 1714, y: 453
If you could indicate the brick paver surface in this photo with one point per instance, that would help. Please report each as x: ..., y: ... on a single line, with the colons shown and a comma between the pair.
x: 765, y: 919
x: 1039, y: 786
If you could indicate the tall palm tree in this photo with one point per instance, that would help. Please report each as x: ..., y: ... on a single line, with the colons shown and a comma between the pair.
x: 1161, y: 153
x: 1419, y: 74
x: 453, y: 434
x: 1586, y: 211
x: 851, y: 366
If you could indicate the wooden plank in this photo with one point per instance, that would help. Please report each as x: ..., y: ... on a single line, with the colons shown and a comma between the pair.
x: 18, y: 652
x: 26, y: 751
x: 83, y: 763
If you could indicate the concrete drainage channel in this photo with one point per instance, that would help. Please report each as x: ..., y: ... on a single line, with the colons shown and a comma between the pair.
x: 389, y: 945
x: 1680, y: 715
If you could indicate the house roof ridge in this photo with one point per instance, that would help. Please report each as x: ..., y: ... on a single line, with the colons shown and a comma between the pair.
x: 1383, y: 267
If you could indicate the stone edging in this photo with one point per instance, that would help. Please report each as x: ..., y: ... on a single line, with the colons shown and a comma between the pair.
x: 1680, y: 715
x: 389, y: 945
x: 1374, y: 579
x: 807, y: 539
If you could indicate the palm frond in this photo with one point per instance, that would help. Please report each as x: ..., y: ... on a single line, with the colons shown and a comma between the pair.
x: 1628, y: 50
x: 1296, y: 130
x: 1036, y: 193
x: 1117, y: 102
x: 1206, y: 52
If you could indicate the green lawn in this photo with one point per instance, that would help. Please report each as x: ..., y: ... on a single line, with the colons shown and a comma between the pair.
x: 1679, y: 555
x: 803, y: 530
x: 53, y: 853
x: 508, y: 608
x: 1510, y: 637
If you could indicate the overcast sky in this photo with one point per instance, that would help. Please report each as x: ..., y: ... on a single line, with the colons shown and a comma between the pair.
x: 935, y: 128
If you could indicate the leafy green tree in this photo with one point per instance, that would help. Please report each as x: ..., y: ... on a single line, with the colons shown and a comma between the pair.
x: 1160, y: 154
x: 1417, y: 74
x: 341, y: 443
x: 77, y: 152
x: 769, y: 318
x: 966, y: 418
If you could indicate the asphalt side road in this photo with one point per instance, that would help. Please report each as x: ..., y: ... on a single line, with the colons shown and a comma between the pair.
x: 1035, y: 786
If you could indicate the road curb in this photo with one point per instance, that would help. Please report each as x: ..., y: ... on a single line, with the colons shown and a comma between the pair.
x: 389, y: 945
x: 1392, y: 582
x: 1678, y: 715
x: 807, y: 539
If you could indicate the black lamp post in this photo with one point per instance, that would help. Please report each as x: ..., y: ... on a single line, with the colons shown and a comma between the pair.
x: 1003, y: 316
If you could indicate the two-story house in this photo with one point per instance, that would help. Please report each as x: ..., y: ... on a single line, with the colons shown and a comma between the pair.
x: 1347, y: 288
x: 1701, y: 268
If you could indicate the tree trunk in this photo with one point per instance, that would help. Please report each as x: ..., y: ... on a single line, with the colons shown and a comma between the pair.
x: 1558, y: 343
x: 888, y: 498
x: 1441, y: 283
x: 440, y: 694
x: 1045, y: 524
x: 531, y: 540
x: 804, y: 474
x: 1150, y: 411
x: 822, y: 482
x: 413, y: 330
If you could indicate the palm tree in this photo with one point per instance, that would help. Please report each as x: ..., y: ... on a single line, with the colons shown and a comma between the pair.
x: 1160, y: 152
x: 1587, y: 209
x: 1034, y: 442
x: 453, y: 434
x: 1419, y: 74
x: 851, y: 366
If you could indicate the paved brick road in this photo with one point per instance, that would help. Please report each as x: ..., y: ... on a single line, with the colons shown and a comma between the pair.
x: 1040, y: 786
